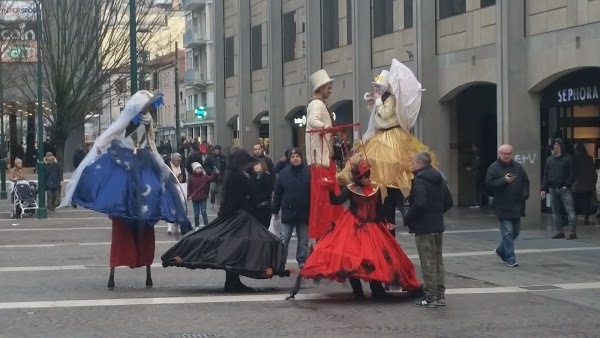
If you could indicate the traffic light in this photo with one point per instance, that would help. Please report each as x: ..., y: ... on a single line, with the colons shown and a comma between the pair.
x: 201, y: 112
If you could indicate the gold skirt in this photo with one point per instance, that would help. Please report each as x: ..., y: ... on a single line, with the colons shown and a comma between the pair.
x: 390, y: 154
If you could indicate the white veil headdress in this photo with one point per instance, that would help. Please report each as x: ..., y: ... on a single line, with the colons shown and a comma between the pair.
x: 408, y: 92
x: 115, y: 131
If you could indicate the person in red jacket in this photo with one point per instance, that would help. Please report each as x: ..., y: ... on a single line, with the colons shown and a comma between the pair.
x: 197, y: 190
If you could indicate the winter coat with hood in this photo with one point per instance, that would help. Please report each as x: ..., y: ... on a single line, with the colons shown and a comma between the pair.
x: 198, y: 186
x: 585, y: 172
x: 429, y: 199
x: 559, y: 171
x: 54, y: 175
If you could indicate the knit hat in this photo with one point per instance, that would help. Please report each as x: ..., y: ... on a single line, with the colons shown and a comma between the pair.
x: 196, y: 165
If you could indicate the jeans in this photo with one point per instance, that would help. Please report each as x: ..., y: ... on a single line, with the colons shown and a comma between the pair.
x: 200, y: 207
x: 53, y: 197
x: 429, y: 248
x: 510, y: 230
x: 302, y: 234
x: 563, y: 198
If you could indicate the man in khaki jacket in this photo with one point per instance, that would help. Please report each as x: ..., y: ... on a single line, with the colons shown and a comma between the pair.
x: 319, y: 149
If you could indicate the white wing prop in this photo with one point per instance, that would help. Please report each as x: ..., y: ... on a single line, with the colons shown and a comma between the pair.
x: 408, y: 91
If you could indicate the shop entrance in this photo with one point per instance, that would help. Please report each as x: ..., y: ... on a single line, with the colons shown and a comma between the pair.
x: 476, y: 142
x: 570, y: 109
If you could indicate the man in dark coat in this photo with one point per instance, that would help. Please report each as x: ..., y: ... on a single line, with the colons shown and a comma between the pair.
x: 292, y: 197
x: 429, y: 199
x: 78, y: 156
x: 558, y: 179
x: 508, y: 182
x: 215, y: 161
x: 585, y: 181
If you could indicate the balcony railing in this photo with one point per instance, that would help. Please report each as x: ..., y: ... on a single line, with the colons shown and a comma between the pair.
x: 194, y: 77
x: 189, y: 5
x: 192, y: 39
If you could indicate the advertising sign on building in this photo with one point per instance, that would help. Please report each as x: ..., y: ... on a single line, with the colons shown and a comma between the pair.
x: 18, y: 31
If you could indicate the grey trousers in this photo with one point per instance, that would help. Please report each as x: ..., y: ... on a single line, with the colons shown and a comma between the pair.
x: 429, y: 247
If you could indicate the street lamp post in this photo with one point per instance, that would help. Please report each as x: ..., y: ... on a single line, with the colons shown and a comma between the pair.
x: 3, y: 194
x: 133, y: 46
x: 42, y: 212
x: 177, y: 98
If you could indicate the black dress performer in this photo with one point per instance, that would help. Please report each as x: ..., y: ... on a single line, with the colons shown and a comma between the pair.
x: 235, y: 241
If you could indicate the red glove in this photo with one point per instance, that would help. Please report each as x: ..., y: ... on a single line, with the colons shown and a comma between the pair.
x: 327, y: 184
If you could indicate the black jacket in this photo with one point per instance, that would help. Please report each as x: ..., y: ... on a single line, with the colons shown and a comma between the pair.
x: 263, y: 189
x: 429, y: 199
x: 194, y: 156
x: 213, y: 161
x: 237, y: 194
x: 54, y: 175
x: 509, y: 198
x: 559, y: 171
x: 292, y: 195
x: 78, y: 157
x: 585, y: 173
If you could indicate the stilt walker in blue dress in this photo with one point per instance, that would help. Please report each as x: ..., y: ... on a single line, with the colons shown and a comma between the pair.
x: 126, y: 178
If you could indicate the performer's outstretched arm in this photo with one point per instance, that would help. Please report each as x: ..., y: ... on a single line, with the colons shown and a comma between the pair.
x: 341, y: 198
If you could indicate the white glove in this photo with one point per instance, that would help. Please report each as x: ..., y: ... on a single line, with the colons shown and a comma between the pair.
x: 378, y: 101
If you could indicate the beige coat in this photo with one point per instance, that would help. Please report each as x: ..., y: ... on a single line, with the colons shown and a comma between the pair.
x: 385, y: 114
x: 319, y: 148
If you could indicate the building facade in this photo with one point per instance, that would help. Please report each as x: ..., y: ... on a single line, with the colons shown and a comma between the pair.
x: 199, y: 73
x: 495, y: 71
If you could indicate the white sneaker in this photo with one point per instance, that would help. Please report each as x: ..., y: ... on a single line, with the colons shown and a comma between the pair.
x: 169, y: 229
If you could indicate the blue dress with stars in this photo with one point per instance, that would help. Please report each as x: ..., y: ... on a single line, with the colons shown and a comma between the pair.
x: 129, y: 180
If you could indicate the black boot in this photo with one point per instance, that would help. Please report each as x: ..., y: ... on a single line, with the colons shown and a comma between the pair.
x: 357, y: 289
x: 233, y: 284
x: 378, y: 292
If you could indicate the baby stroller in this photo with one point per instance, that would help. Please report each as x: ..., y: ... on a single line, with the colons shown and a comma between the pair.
x: 24, y: 199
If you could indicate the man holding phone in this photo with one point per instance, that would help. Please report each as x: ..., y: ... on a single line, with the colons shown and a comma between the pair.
x: 508, y: 182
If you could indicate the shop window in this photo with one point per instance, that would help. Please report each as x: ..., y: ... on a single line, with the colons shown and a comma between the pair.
x: 408, y: 14
x: 330, y: 25
x: 448, y: 8
x: 229, y: 58
x: 289, y: 36
x: 487, y: 3
x: 383, y: 17
x: 256, y: 43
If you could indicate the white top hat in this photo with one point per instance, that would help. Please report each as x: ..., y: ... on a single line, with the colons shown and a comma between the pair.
x: 319, y: 78
x: 382, y: 79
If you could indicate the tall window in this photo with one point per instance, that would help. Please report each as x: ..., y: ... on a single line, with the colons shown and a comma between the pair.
x: 349, y: 21
x: 487, y: 3
x: 448, y: 8
x: 383, y: 17
x: 330, y: 23
x: 408, y: 14
x: 256, y: 43
x: 289, y: 36
x: 229, y: 58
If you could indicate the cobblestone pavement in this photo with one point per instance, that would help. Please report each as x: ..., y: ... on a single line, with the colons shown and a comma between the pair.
x: 53, y: 276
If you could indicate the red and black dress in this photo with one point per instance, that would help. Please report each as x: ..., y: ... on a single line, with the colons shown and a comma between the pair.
x: 360, y: 245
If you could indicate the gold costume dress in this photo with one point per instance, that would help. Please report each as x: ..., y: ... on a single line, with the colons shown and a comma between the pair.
x: 389, y: 151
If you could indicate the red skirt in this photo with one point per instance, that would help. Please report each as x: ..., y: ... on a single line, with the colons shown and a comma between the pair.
x: 127, y: 250
x: 365, y: 251
x: 322, y: 213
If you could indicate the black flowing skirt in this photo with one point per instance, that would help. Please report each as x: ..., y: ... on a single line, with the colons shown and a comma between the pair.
x: 236, y: 243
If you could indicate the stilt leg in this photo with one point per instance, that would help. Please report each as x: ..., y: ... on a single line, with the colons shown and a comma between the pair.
x: 148, y: 277
x: 111, y: 279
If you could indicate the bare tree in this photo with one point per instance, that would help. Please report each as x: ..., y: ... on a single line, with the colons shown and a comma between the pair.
x: 83, y: 44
